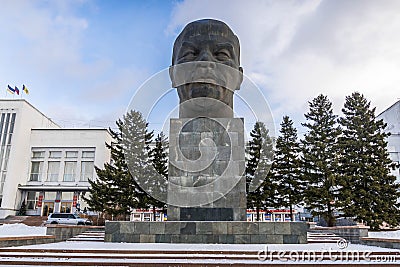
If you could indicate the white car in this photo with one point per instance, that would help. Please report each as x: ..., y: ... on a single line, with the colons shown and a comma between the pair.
x: 67, y: 218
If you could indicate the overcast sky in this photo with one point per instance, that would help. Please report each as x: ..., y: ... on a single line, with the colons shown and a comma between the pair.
x: 83, y: 60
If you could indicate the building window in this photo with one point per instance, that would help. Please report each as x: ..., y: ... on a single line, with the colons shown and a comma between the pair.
x: 87, y: 168
x: 87, y: 154
x: 53, y: 171
x: 67, y: 196
x: 55, y: 154
x: 38, y: 154
x: 36, y: 171
x: 71, y: 154
x: 8, y: 149
x: 31, y: 200
x: 69, y: 171
x: 50, y: 195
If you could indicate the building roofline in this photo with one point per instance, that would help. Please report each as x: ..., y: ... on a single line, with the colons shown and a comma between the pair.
x: 53, y: 187
x: 395, y: 103
x: 69, y: 129
x: 72, y: 129
x: 24, y: 100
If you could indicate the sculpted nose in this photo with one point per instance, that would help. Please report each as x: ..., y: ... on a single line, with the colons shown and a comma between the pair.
x: 205, y: 56
x: 205, y: 61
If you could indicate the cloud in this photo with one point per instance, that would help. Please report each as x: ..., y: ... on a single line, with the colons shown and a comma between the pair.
x: 295, y: 50
x: 52, y: 48
x: 41, y: 38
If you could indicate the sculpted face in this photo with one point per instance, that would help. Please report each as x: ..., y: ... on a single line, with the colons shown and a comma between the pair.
x: 206, y: 69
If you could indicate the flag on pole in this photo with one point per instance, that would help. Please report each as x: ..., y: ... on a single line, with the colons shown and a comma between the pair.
x: 16, y: 90
x: 10, y: 89
x: 25, y: 89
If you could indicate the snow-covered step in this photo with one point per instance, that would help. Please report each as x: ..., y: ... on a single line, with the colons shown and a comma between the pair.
x: 89, y: 236
x: 156, y: 256
x: 322, y: 237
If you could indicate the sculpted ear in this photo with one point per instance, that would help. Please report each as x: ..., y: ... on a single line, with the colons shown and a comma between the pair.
x: 171, y: 71
x: 240, y: 78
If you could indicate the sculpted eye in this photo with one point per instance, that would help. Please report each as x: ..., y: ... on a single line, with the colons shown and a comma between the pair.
x: 190, y: 53
x: 222, y: 54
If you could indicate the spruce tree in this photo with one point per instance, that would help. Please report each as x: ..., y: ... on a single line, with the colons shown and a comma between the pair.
x: 22, y: 209
x: 319, y: 159
x: 135, y: 145
x: 104, y: 192
x: 368, y: 190
x: 117, y: 190
x: 159, y: 158
x: 285, y: 169
x: 259, y: 189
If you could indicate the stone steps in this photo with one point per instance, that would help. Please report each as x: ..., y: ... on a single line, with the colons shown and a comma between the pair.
x: 112, y: 257
x: 89, y: 236
x: 322, y: 237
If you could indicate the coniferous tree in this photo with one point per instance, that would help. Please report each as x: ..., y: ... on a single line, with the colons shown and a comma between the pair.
x: 259, y: 189
x: 319, y: 159
x: 116, y: 190
x: 22, y: 209
x: 159, y: 157
x: 105, y: 190
x: 135, y: 145
x: 285, y: 169
x: 368, y: 190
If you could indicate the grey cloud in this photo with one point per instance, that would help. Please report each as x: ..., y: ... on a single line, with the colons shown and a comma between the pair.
x: 295, y: 50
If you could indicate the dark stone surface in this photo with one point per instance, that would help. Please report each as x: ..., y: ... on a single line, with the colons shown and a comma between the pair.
x: 282, y: 228
x: 188, y: 228
x: 204, y: 228
x: 204, y: 42
x: 163, y: 238
x: 211, y: 232
x: 274, y: 239
x: 142, y: 228
x: 157, y: 228
x: 172, y: 228
x: 290, y: 239
x: 242, y: 239
x: 225, y: 190
x: 206, y: 214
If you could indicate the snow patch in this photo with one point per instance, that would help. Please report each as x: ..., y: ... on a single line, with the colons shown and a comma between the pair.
x: 385, y: 234
x: 20, y: 229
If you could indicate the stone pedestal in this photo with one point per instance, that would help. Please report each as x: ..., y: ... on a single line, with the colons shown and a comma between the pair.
x: 206, y: 170
x: 207, y: 232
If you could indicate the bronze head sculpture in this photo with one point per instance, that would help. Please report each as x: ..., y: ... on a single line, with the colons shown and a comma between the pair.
x: 206, y: 69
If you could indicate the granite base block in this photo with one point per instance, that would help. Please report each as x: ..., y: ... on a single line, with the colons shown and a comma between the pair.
x: 207, y: 232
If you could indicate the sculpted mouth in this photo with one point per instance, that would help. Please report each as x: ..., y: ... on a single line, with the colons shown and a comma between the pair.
x: 204, y: 90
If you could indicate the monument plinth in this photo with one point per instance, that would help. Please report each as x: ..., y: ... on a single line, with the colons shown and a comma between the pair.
x: 206, y: 166
x: 206, y: 192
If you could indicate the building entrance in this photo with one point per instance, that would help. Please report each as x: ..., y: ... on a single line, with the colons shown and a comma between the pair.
x: 66, y: 207
x: 48, y: 208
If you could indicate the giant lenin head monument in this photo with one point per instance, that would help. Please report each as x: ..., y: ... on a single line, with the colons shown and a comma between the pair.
x: 206, y: 163
x: 206, y: 192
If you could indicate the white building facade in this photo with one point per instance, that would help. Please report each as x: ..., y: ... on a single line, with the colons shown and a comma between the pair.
x: 392, y: 117
x: 44, y: 165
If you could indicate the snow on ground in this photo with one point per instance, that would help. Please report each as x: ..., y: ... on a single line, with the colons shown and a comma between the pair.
x: 385, y: 234
x: 196, y: 259
x: 205, y: 247
x: 20, y: 229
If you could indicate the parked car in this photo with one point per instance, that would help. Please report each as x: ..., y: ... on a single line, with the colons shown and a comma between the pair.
x: 67, y: 218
